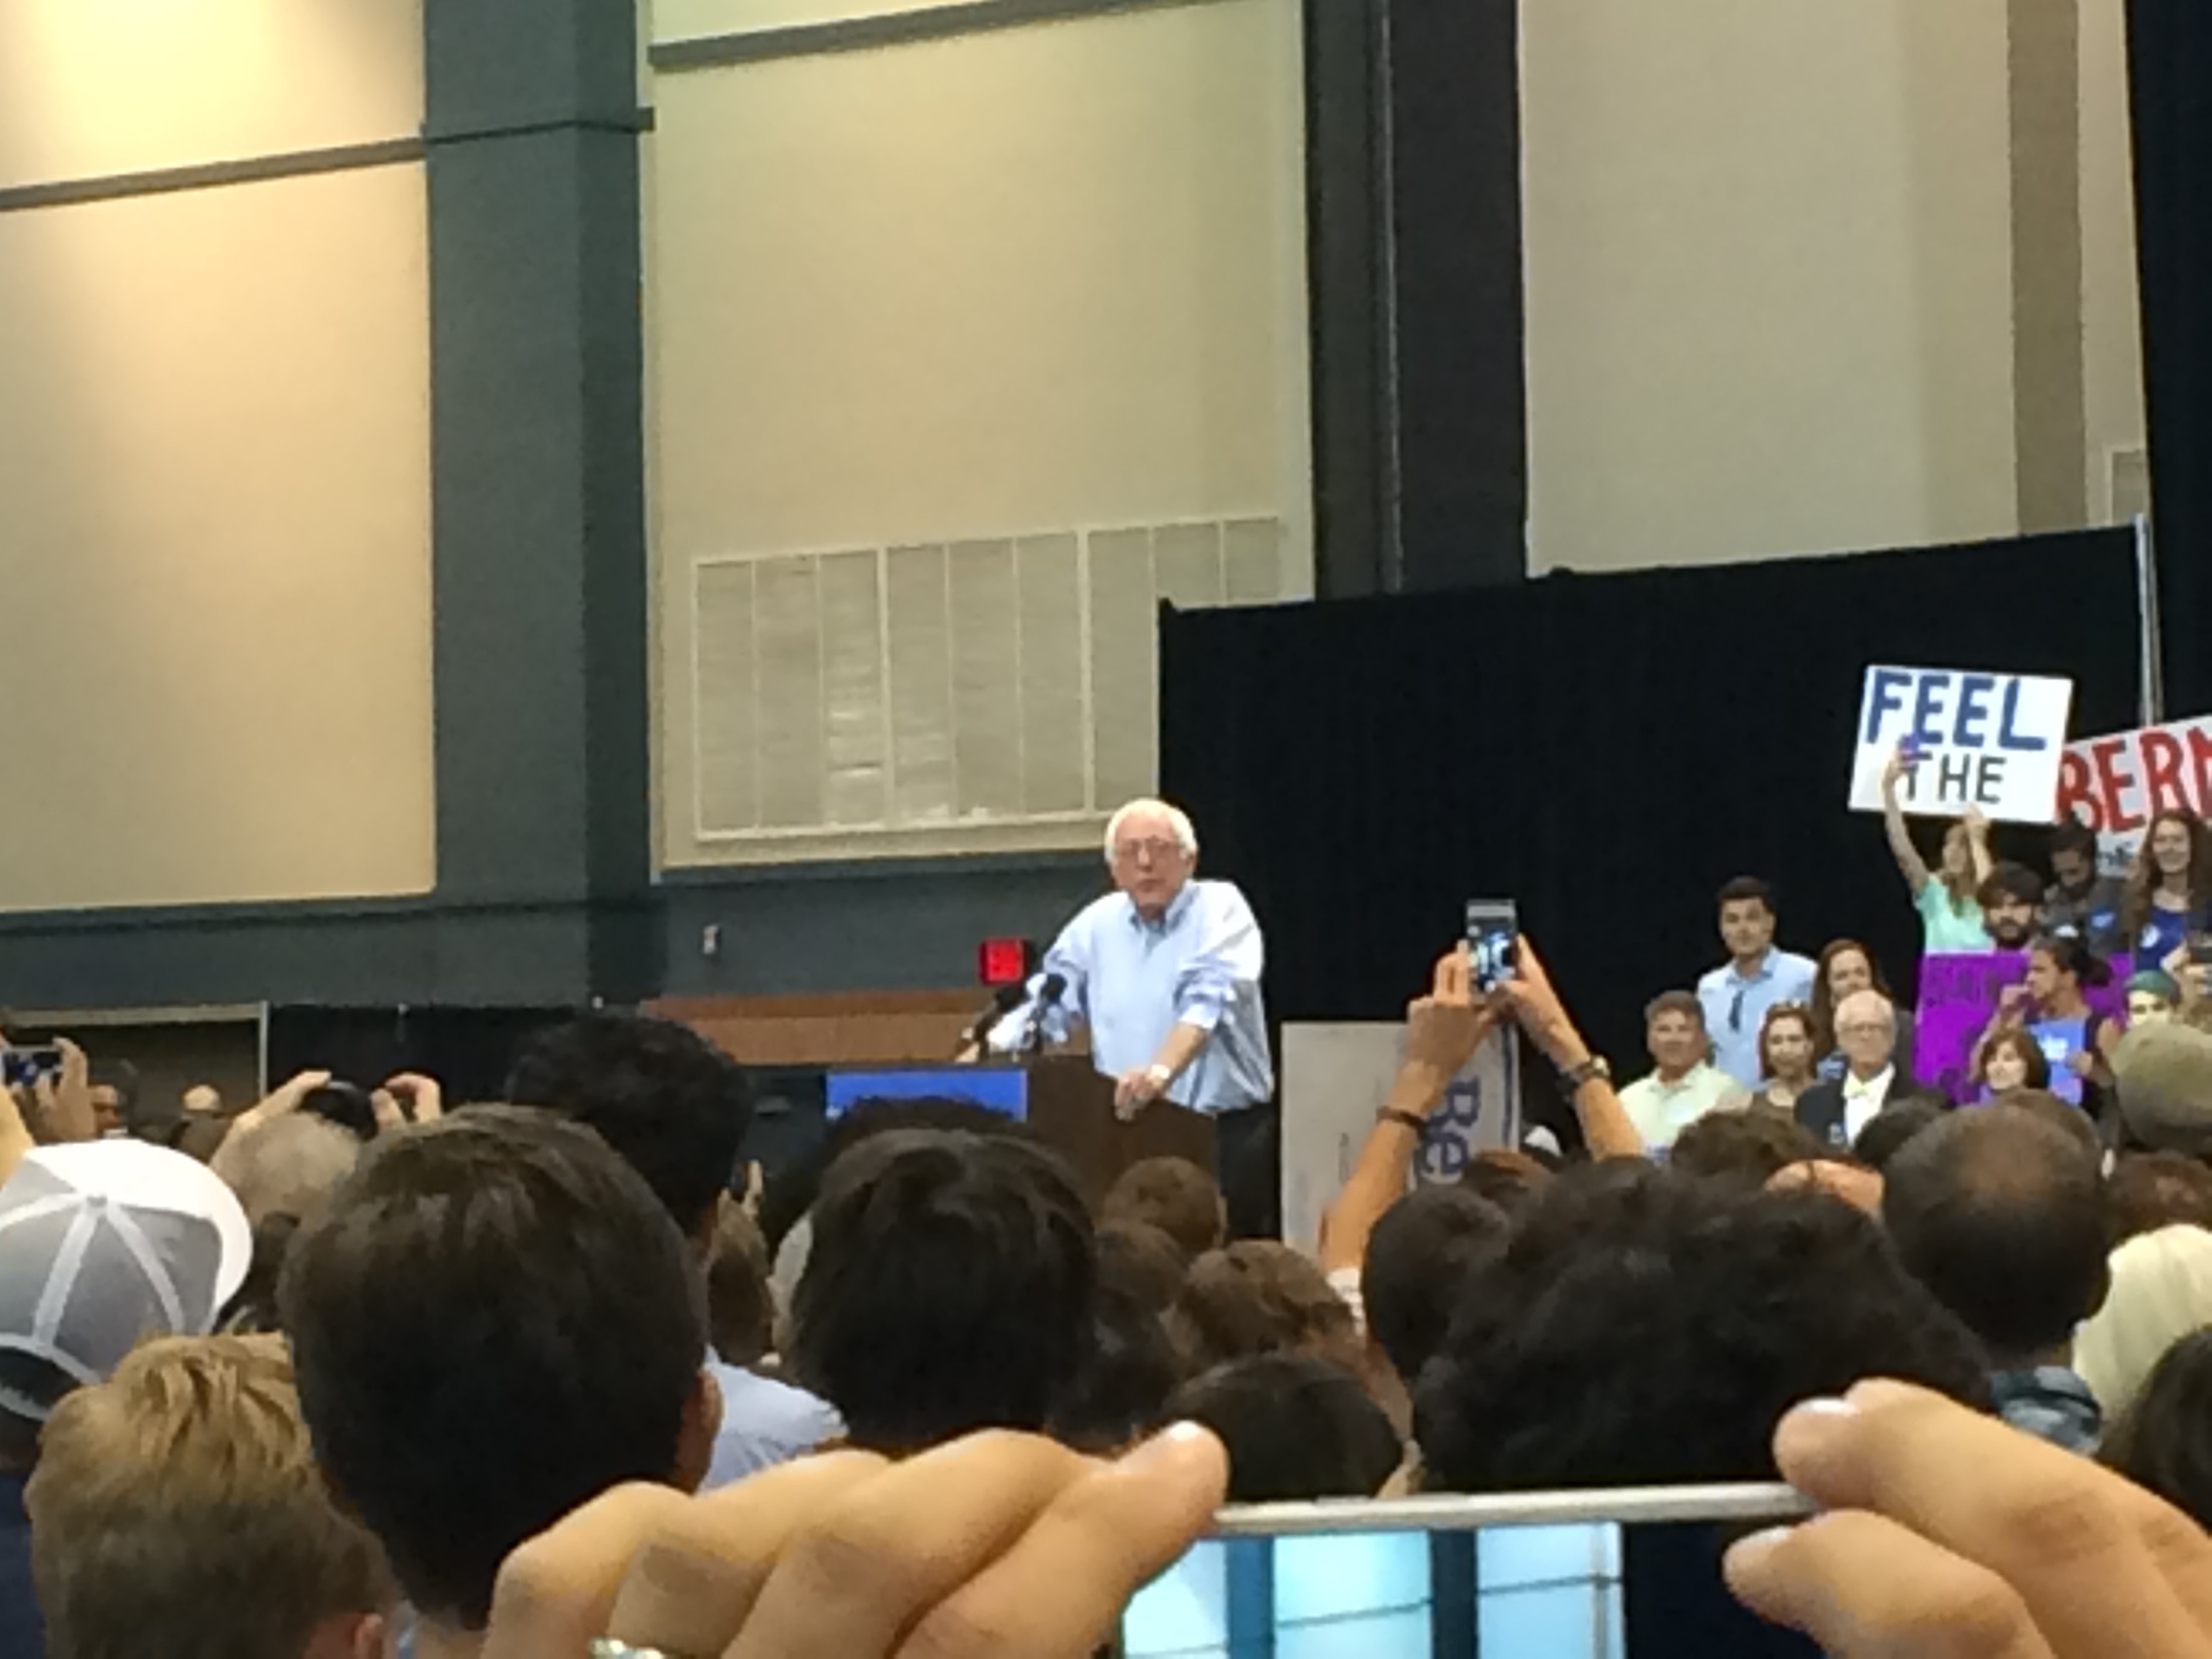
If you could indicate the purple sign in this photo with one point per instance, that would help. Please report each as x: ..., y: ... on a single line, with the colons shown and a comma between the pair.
x: 1959, y: 999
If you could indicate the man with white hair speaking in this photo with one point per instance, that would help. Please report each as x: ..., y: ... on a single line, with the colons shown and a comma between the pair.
x: 1165, y: 973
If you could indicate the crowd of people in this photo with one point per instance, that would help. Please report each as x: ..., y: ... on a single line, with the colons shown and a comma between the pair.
x: 357, y: 1371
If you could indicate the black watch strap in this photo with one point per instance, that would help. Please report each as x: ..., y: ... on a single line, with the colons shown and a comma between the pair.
x: 1573, y: 1077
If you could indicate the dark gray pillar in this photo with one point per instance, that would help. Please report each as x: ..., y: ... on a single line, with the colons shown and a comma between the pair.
x: 538, y: 501
x: 1413, y: 197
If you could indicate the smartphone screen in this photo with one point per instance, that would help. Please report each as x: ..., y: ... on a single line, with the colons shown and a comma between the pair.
x: 1590, y: 1589
x: 1493, y: 934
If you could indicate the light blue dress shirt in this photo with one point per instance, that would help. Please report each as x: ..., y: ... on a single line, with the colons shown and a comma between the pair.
x: 764, y: 1422
x: 1736, y: 1007
x: 1132, y: 981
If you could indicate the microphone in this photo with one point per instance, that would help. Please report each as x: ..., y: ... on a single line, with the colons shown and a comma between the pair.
x: 1004, y: 1001
x: 1049, y: 994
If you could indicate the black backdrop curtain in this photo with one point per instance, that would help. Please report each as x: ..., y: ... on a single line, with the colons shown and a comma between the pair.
x: 1606, y: 751
x: 2170, y: 66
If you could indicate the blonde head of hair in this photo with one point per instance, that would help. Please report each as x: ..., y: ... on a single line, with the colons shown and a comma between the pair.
x: 176, y: 1507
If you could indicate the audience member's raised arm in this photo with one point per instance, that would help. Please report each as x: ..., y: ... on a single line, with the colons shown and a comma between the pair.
x: 1606, y: 1128
x: 1443, y: 1031
x: 1977, y: 843
x: 1910, y: 864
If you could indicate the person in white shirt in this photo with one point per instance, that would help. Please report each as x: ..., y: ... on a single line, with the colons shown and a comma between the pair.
x: 1685, y: 1085
x: 1737, y: 995
x: 1866, y: 1031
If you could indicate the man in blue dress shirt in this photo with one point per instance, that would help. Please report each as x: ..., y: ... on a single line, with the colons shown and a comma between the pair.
x: 1165, y: 973
x: 1756, y: 976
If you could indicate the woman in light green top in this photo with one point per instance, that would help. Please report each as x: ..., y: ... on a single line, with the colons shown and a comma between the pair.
x: 1950, y: 914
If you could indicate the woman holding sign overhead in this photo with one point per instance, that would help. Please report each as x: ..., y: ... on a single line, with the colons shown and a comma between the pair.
x: 1950, y: 912
x: 2167, y: 891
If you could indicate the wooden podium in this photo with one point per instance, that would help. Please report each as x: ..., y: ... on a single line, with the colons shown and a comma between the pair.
x: 1071, y: 1109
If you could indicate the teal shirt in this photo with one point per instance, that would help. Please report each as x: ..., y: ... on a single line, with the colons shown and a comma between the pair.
x: 1947, y: 929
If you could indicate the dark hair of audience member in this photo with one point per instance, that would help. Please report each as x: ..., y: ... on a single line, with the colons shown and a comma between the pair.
x: 1173, y: 1194
x: 2013, y: 1040
x: 1508, y: 1178
x: 1643, y: 1328
x: 674, y: 1105
x: 2009, y: 880
x: 2072, y: 835
x: 2149, y: 1190
x: 1296, y: 1428
x: 1823, y: 988
x: 1142, y: 1263
x: 2001, y: 1214
x: 2163, y: 1441
x: 1685, y: 1003
x: 2071, y: 957
x: 253, y: 1307
x: 493, y: 1320
x: 740, y: 1307
x: 791, y: 1191
x: 1258, y: 1296
x: 2064, y: 1115
x: 950, y: 1287
x: 1418, y: 1258
x: 1744, y: 887
x: 1893, y: 1127
x: 1129, y: 1369
x: 1752, y: 1145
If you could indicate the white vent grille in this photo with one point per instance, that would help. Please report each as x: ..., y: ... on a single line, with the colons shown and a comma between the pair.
x: 882, y: 691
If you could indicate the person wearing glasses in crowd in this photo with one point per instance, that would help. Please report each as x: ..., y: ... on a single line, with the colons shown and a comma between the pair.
x: 1164, y: 972
x: 1788, y: 1058
x: 2169, y: 891
x: 1947, y: 898
x: 1835, y: 1112
x: 1845, y: 967
x: 1756, y: 976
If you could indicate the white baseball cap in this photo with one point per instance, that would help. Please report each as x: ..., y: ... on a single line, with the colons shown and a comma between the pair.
x: 102, y: 1245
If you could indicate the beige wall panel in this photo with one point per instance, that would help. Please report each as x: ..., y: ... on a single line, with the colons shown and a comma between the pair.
x: 679, y: 20
x: 1769, y: 281
x: 1037, y: 279
x: 214, y: 451
x: 89, y: 88
x: 2112, y: 312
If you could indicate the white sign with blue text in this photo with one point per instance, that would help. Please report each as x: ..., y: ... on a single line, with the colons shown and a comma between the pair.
x: 1989, y: 741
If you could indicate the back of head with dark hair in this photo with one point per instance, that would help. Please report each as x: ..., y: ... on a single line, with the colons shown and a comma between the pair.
x: 345, y: 1104
x: 1296, y: 1427
x: 2061, y: 1114
x: 1508, y: 1178
x: 1750, y: 1145
x: 2001, y: 1214
x: 1418, y: 1258
x: 1173, y: 1194
x: 1643, y: 1328
x: 668, y: 1101
x: 950, y: 1288
x: 1746, y: 887
x: 1893, y: 1127
x: 740, y: 1307
x: 792, y: 1190
x: 2149, y: 1190
x: 2163, y: 1441
x: 1141, y: 1263
x: 1129, y: 1369
x: 493, y: 1320
x: 1258, y: 1296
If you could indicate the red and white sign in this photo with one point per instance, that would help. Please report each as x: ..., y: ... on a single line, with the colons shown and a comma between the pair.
x: 2117, y: 785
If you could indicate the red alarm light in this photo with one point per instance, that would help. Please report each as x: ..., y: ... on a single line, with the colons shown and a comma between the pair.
x: 1004, y: 961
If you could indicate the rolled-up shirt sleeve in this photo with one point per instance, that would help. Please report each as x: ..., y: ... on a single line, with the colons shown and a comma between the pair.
x: 1231, y: 956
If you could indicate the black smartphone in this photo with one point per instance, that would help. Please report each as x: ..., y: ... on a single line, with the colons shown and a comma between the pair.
x: 22, y: 1067
x: 1493, y: 941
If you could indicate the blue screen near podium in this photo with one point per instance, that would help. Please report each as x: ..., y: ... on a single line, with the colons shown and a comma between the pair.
x: 1001, y: 1088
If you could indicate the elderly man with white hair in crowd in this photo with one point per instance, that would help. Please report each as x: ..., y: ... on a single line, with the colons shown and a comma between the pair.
x: 1164, y: 972
x: 1866, y: 1031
